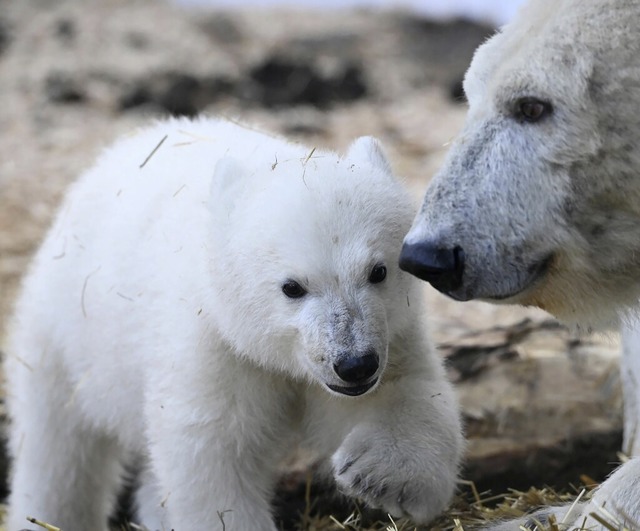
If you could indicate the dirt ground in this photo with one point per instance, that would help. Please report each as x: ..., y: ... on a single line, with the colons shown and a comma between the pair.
x: 74, y: 75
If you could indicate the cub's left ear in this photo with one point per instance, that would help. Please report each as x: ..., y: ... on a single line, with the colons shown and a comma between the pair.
x: 369, y: 150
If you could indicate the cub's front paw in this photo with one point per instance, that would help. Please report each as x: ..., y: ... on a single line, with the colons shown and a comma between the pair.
x: 413, y: 477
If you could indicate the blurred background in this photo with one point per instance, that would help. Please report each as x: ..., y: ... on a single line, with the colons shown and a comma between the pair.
x: 541, y: 405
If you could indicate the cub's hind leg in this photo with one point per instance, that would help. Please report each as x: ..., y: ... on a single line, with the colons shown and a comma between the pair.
x: 64, y: 472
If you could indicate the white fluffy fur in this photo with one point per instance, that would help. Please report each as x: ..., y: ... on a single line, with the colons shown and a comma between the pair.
x: 153, y: 327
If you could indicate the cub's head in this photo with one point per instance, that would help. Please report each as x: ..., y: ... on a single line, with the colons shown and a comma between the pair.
x: 538, y: 202
x: 306, y: 264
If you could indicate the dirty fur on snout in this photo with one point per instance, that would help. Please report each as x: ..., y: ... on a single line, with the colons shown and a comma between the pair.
x: 563, y: 190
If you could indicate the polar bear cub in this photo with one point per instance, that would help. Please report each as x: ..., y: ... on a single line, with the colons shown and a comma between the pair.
x: 207, y: 297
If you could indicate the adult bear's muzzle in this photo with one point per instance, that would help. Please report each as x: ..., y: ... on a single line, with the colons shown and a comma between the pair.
x: 442, y: 267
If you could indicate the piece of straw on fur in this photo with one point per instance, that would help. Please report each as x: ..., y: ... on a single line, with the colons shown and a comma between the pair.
x: 44, y: 525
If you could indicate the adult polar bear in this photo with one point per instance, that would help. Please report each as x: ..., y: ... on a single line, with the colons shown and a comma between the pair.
x: 206, y: 308
x: 538, y: 202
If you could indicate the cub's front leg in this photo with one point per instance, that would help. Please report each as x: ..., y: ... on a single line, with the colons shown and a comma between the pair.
x: 404, y: 450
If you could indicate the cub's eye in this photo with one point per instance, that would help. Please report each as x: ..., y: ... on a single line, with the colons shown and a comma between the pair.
x: 293, y: 290
x: 532, y: 109
x: 378, y: 274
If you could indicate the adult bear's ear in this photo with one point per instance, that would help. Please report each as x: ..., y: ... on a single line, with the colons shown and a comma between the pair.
x: 227, y: 184
x: 368, y: 149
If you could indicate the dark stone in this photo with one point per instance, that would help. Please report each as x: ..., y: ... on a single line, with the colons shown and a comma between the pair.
x: 339, y: 45
x: 221, y: 28
x: 5, y: 35
x: 348, y: 85
x: 135, y: 96
x: 62, y: 88
x: 304, y: 129
x: 65, y: 30
x: 180, y: 95
x: 176, y: 93
x: 280, y: 81
x: 136, y: 40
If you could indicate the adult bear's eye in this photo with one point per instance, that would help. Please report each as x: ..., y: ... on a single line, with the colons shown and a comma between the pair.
x: 378, y: 274
x: 532, y: 109
x: 293, y: 290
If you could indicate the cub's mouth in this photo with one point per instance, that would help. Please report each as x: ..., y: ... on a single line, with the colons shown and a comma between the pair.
x: 353, y: 390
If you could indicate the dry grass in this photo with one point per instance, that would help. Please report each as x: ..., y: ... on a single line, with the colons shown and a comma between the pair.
x: 466, y: 515
x: 470, y: 510
x: 473, y: 510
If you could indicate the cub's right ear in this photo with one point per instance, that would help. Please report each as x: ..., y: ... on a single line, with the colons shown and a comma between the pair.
x: 226, y: 185
x: 368, y: 149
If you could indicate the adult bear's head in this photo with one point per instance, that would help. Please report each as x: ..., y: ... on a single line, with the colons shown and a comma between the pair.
x: 539, y: 200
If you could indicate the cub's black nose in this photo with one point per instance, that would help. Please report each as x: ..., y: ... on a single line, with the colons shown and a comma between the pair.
x: 357, y: 369
x: 441, y: 267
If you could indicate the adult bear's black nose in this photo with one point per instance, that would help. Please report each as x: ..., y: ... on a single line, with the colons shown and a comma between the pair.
x: 357, y: 369
x: 442, y: 267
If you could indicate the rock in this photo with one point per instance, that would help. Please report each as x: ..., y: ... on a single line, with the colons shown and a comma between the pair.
x: 62, y: 87
x: 5, y: 35
x: 280, y: 81
x: 136, y: 40
x: 334, y: 44
x: 303, y: 121
x: 65, y: 30
x: 221, y: 28
x: 175, y: 93
x: 541, y: 406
